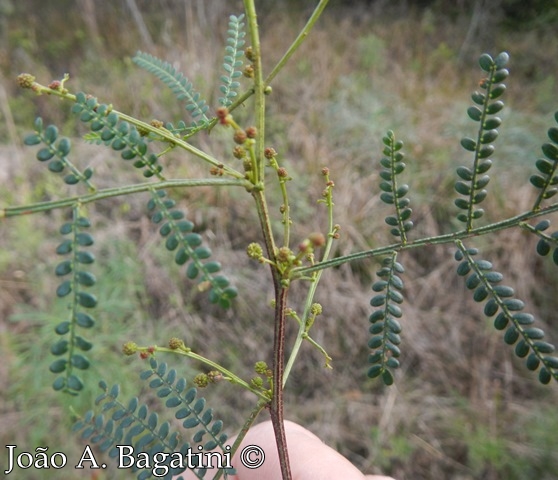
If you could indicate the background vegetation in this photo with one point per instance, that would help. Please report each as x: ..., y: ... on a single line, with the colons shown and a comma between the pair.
x: 460, y: 409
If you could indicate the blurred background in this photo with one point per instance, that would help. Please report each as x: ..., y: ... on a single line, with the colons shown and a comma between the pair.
x: 463, y: 407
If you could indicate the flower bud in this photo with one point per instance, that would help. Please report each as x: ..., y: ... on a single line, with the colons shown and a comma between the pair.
x: 269, y: 153
x: 129, y: 348
x: 201, y: 380
x: 251, y: 132
x: 316, y: 309
x: 239, y: 152
x: 254, y: 251
x: 175, y: 343
x: 261, y: 368
x: 249, y: 53
x: 317, y: 239
x: 240, y: 136
x: 25, y: 80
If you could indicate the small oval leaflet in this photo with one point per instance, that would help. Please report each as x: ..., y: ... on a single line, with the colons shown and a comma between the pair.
x: 80, y: 361
x: 87, y: 300
x: 475, y: 113
x: 468, y: 144
x: 62, y: 328
x: 522, y: 349
x: 56, y: 166
x: 84, y: 320
x: 511, y: 335
x: 494, y: 107
x: 59, y: 348
x: 192, y: 271
x: 44, y: 154
x: 58, y: 366
x: 83, y: 344
x: 86, y: 279
x: 64, y: 289
x: 64, y: 147
x: 71, y: 179
x: 64, y: 248
x: 375, y: 371
x: 486, y: 62
x: 63, y: 268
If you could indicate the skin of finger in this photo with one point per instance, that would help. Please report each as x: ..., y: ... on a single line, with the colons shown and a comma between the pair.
x: 310, y: 458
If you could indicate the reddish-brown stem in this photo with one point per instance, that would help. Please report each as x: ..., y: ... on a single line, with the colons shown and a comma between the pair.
x: 281, y: 291
x: 277, y: 417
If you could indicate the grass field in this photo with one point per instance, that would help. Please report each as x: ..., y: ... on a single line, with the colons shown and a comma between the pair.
x: 462, y: 406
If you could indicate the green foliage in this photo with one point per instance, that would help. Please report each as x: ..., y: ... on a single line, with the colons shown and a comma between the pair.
x: 385, y: 326
x: 188, y: 245
x: 547, y: 243
x: 134, y: 139
x: 56, y: 153
x: 547, y: 178
x: 135, y: 425
x: 119, y: 135
x: 518, y: 325
x: 179, y: 85
x: 77, y: 279
x: 473, y: 180
x: 81, y: 301
x: 233, y: 60
x: 392, y: 192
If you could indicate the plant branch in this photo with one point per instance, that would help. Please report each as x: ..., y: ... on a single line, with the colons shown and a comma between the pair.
x: 332, y: 231
x: 187, y: 352
x: 277, y: 417
x: 259, y: 87
x: 118, y: 191
x: 425, y: 241
x: 162, y: 133
x: 298, y: 41
x: 281, y: 291
x: 243, y: 431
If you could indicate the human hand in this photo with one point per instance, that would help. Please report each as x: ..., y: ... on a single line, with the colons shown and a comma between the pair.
x: 310, y: 458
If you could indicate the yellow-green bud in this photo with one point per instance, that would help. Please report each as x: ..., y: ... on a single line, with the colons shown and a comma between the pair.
x: 261, y: 368
x: 129, y: 348
x: 175, y: 343
x: 201, y: 380
x: 25, y: 80
x: 257, y: 382
x: 316, y: 309
x: 254, y: 251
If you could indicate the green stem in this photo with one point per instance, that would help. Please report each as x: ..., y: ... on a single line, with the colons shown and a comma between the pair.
x: 243, y: 431
x: 542, y: 194
x: 118, y: 191
x: 425, y: 241
x: 232, y: 377
x: 314, y: 285
x: 298, y: 41
x: 284, y: 59
x: 259, y: 88
x: 539, y: 233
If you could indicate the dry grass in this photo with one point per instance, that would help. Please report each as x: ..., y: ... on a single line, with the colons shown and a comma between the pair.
x: 461, y: 404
